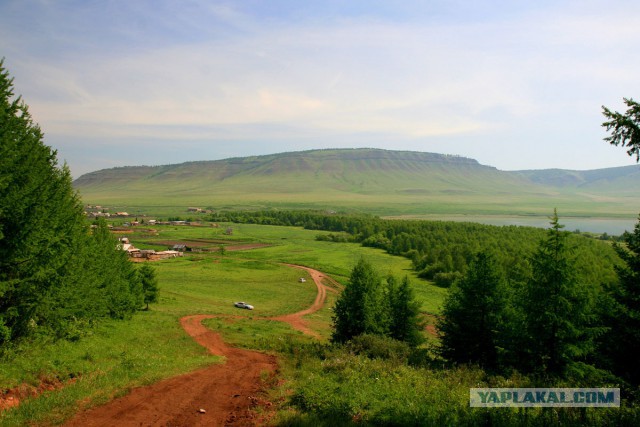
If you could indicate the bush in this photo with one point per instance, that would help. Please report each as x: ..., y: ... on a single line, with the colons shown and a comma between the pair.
x: 379, y: 347
x: 445, y: 280
x: 431, y: 270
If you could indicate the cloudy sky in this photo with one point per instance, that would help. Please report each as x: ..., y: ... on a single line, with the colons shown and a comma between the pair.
x: 513, y: 84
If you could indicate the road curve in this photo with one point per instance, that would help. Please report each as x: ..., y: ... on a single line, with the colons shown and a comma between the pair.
x: 226, y: 392
x: 296, y: 320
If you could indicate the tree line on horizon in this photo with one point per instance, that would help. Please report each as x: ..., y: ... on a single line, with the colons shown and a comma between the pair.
x: 441, y: 251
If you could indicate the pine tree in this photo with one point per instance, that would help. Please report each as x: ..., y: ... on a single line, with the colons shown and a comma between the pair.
x: 149, y: 284
x: 472, y: 318
x: 624, y: 128
x: 360, y: 308
x: 405, y: 323
x: 41, y: 218
x: 53, y: 272
x: 559, y: 311
x: 623, y: 317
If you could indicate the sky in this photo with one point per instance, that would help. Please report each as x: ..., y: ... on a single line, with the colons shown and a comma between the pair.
x: 512, y: 84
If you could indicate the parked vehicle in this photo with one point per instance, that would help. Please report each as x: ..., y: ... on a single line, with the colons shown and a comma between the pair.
x: 244, y: 305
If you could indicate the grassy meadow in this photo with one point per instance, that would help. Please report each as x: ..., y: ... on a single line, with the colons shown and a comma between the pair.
x: 371, y: 381
x: 114, y: 356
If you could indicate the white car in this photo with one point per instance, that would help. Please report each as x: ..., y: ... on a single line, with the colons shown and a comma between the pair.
x: 244, y: 305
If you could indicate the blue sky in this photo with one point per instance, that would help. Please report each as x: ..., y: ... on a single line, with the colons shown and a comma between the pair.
x: 515, y: 85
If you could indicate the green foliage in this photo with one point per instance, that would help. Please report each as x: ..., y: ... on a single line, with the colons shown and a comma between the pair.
x: 474, y: 315
x: 365, y: 306
x: 625, y: 128
x: 441, y: 251
x: 405, y: 324
x: 369, y: 382
x: 559, y: 311
x: 623, y: 315
x: 380, y: 347
x: 360, y: 308
x: 149, y: 281
x: 114, y: 276
x: 53, y: 273
x: 445, y: 280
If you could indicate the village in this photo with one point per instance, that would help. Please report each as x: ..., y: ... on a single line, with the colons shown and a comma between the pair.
x: 137, y: 254
x: 149, y: 254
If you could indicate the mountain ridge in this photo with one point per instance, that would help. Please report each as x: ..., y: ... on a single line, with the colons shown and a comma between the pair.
x: 371, y: 179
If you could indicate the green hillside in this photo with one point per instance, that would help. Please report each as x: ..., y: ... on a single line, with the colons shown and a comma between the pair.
x: 376, y: 181
x: 621, y: 181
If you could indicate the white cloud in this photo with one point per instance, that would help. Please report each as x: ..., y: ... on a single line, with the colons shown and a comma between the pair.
x: 208, y: 71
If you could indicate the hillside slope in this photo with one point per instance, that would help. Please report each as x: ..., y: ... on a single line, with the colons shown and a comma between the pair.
x: 620, y: 180
x: 377, y: 181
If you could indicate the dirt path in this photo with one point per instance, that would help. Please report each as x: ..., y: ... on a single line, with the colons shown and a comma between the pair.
x: 226, y: 392
x: 296, y: 320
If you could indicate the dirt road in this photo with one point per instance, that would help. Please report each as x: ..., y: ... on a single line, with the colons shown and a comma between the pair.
x: 296, y: 320
x: 226, y: 392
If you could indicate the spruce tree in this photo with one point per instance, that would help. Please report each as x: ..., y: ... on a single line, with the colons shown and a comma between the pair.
x: 114, y: 276
x: 472, y: 317
x: 41, y: 219
x: 623, y: 316
x: 53, y: 272
x: 404, y: 317
x: 624, y: 127
x: 559, y: 311
x: 360, y: 308
x: 149, y: 284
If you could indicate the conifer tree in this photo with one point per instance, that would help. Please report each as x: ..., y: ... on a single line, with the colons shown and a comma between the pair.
x: 360, y: 308
x: 41, y: 218
x: 624, y: 128
x: 149, y: 284
x: 623, y: 315
x: 559, y: 311
x: 472, y: 318
x: 628, y: 298
x: 404, y: 323
x: 624, y: 318
x: 53, y: 272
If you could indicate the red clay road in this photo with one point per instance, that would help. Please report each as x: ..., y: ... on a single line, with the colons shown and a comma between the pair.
x: 226, y: 392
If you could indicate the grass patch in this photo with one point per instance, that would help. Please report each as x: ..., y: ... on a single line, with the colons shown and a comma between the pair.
x: 115, y: 356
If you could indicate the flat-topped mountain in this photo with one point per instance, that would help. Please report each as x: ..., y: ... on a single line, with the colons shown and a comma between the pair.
x: 379, y: 181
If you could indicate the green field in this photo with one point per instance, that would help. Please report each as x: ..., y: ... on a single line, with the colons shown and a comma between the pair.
x: 117, y: 355
x: 370, y: 381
